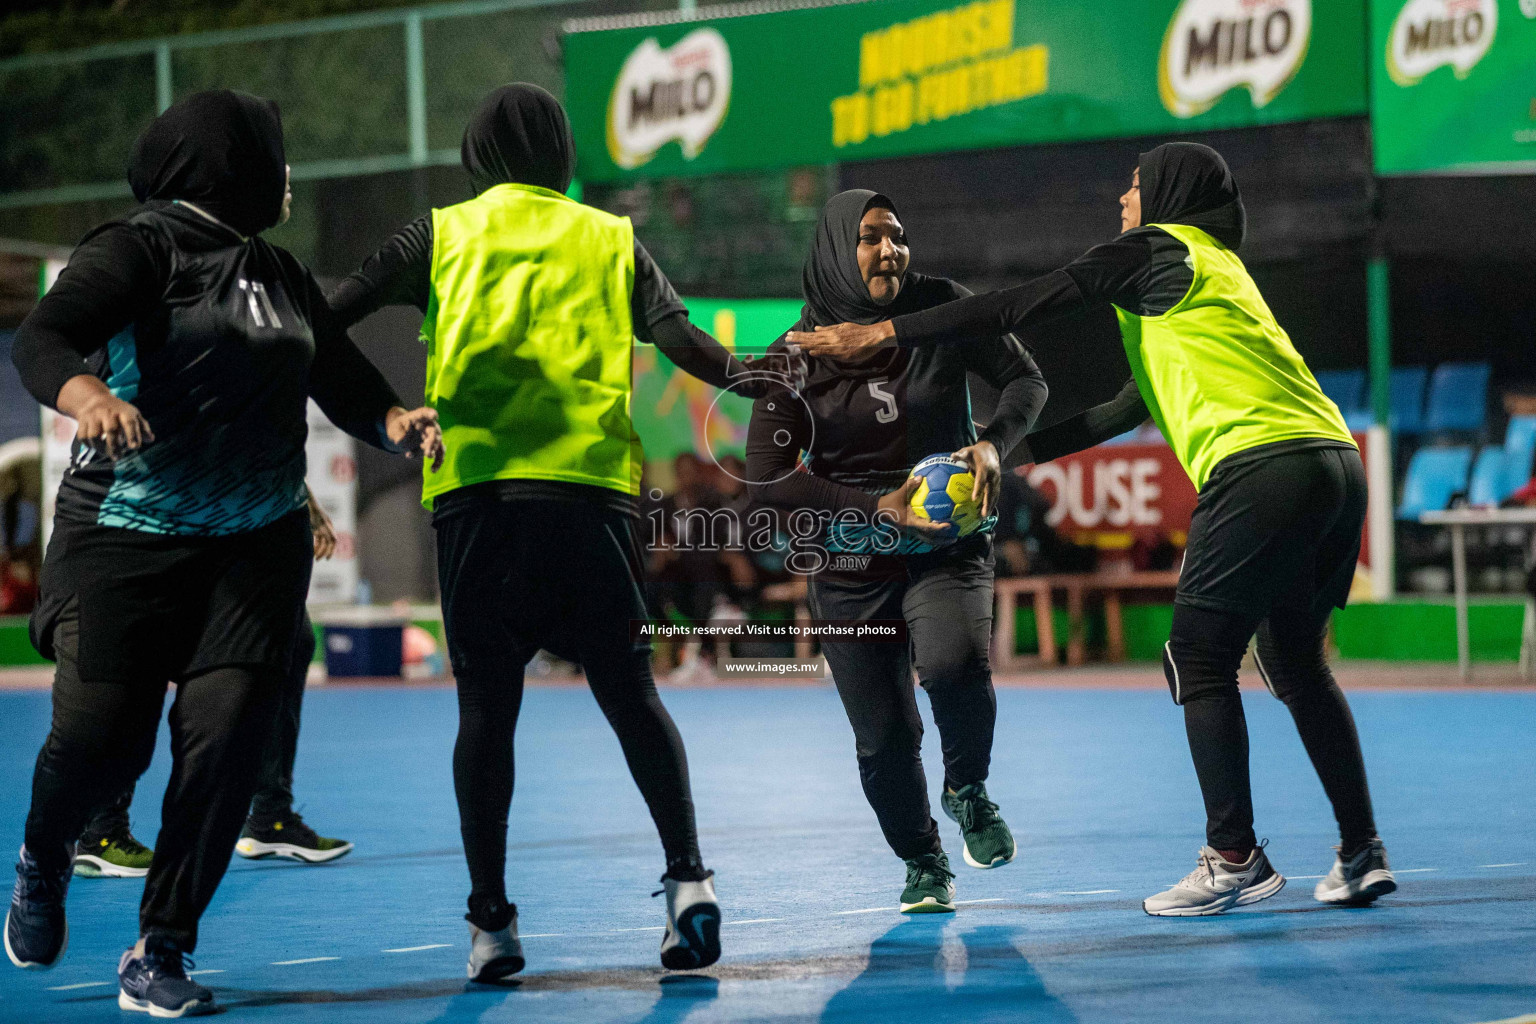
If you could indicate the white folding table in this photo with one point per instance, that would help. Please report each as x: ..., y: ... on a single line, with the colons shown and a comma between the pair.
x: 1457, y: 520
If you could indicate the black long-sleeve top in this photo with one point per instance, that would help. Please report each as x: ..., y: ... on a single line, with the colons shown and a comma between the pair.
x: 218, y: 340
x: 864, y: 426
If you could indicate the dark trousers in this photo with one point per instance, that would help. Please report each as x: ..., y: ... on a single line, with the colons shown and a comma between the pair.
x: 947, y: 604
x: 521, y: 575
x: 274, y: 776
x: 104, y: 733
x: 1272, y: 551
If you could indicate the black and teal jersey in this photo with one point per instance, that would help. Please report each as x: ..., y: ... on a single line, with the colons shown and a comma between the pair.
x: 219, y: 341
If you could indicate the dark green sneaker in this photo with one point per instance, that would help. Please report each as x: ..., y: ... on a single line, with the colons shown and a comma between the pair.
x: 988, y: 843
x: 288, y: 837
x: 114, y: 856
x: 930, y: 885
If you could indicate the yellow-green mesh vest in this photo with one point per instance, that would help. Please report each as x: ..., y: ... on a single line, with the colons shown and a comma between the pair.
x: 528, y: 337
x: 1218, y: 373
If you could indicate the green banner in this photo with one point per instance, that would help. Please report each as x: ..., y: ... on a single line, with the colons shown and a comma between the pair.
x: 674, y: 412
x: 898, y: 77
x: 1454, y: 85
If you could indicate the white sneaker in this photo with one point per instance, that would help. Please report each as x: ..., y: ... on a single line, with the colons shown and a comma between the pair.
x: 1216, y: 886
x: 1366, y: 877
x: 692, y: 940
x: 494, y: 956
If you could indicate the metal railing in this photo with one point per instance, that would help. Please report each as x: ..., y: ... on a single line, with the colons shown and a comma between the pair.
x: 34, y: 86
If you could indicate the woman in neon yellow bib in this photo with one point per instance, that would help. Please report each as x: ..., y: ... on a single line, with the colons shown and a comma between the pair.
x: 1276, y: 532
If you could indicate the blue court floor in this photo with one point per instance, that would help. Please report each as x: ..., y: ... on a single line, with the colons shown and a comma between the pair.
x: 1096, y: 784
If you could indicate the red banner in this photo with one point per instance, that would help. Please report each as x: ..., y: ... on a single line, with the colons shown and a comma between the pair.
x: 1131, y: 491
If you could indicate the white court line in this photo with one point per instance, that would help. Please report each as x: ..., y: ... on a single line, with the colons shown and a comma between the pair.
x: 305, y: 960
x: 1087, y: 892
x: 1513, y: 864
x: 871, y: 910
x: 757, y: 920
x: 547, y: 935
x: 989, y: 899
x: 1298, y: 878
x: 78, y: 984
x: 208, y: 970
x: 652, y: 928
x: 416, y: 949
x: 1414, y: 871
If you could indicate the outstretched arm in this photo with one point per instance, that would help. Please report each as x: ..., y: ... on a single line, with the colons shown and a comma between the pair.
x: 698, y: 354
x: 1118, y: 272
x: 354, y: 395
x: 398, y: 274
x: 1125, y: 411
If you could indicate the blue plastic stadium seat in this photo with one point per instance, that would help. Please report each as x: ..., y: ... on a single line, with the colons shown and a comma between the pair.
x: 1435, y: 475
x: 1458, y: 397
x: 1487, y: 486
x: 1519, y: 450
x: 1407, y: 398
x: 1346, y: 388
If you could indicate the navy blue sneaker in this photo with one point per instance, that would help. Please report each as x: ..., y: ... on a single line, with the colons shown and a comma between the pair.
x: 36, y: 932
x: 157, y: 984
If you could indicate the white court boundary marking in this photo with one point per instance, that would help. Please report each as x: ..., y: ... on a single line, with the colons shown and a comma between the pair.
x: 304, y: 960
x: 416, y: 949
x: 78, y: 984
x: 1512, y: 864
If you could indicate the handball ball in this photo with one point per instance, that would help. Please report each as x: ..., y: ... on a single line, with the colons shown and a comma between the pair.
x: 943, y: 493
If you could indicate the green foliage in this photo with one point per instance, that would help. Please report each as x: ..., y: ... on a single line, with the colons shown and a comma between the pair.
x: 70, y: 25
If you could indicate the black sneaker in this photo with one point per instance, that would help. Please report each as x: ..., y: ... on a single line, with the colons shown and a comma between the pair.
x: 36, y: 933
x: 930, y: 885
x: 289, y: 837
x: 157, y: 984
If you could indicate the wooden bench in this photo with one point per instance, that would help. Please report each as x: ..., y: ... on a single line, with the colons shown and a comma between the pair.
x: 1077, y: 587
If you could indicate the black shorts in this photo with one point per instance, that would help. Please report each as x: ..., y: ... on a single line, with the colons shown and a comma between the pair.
x: 1277, y: 526
x: 155, y: 607
x: 519, y: 574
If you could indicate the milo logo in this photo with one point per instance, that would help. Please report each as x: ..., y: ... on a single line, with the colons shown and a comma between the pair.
x: 1431, y: 33
x: 1214, y: 46
x: 680, y: 93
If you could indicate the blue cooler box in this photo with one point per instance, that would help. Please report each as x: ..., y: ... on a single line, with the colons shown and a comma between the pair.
x: 363, y: 642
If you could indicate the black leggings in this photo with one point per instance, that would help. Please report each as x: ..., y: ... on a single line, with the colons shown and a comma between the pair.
x: 103, y: 735
x: 948, y: 609
x: 1272, y: 550
x: 517, y: 576
x: 274, y: 777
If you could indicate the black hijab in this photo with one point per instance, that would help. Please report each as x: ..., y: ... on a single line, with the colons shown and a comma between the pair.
x: 519, y: 135
x: 1187, y: 183
x: 834, y: 287
x: 221, y: 150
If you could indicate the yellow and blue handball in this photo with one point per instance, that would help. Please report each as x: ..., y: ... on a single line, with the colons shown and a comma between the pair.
x: 943, y: 494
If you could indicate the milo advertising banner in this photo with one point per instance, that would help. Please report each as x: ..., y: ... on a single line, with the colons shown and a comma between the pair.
x: 1454, y: 85
x: 897, y: 77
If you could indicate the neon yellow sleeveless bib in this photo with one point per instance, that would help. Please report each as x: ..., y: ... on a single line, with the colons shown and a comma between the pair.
x: 1218, y: 374
x: 528, y: 337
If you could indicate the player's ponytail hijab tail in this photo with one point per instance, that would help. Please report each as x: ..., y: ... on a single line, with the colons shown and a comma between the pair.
x: 835, y: 290
x: 519, y: 134
x: 1187, y: 183
x: 220, y: 150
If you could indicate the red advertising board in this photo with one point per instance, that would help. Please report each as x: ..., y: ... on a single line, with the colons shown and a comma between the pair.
x: 1129, y: 491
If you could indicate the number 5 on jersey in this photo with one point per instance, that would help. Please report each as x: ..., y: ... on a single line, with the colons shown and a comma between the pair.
x: 885, y: 398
